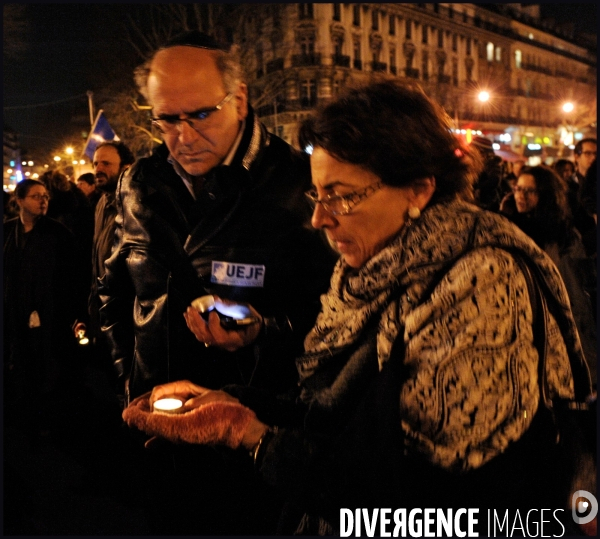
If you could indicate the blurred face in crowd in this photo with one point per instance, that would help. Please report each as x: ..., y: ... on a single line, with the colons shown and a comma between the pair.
x: 567, y: 171
x: 107, y: 168
x: 587, y: 157
x: 526, y: 195
x: 185, y: 80
x: 34, y: 204
x: 517, y: 166
x: 377, y: 211
x: 86, y: 187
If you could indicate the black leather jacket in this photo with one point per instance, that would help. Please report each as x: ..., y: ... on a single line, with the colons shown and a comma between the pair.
x: 253, y: 219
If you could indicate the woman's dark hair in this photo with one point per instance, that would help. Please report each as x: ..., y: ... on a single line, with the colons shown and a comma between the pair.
x: 552, y: 211
x: 55, y: 181
x: 24, y: 186
x: 396, y: 132
x: 561, y: 164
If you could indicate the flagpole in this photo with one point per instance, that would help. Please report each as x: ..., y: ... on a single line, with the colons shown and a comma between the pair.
x: 90, y: 94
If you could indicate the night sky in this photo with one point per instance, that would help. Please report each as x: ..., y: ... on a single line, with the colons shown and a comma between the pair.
x: 69, y: 49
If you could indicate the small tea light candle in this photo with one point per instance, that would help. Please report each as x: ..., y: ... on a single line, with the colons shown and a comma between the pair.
x: 168, y: 405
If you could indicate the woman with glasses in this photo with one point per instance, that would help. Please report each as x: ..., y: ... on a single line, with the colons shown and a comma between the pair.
x: 40, y: 293
x: 539, y: 207
x: 417, y: 388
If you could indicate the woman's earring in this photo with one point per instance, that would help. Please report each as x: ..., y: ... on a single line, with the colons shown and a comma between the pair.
x: 414, y: 212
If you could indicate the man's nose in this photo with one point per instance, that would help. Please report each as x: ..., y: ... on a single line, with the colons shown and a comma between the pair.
x: 186, y: 131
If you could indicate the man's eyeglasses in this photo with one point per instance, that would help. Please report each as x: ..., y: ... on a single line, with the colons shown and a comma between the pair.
x: 342, y: 204
x: 37, y: 198
x: 526, y: 191
x: 169, y: 123
x: 589, y: 153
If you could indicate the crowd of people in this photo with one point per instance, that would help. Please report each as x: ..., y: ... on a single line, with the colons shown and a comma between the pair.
x: 391, y: 341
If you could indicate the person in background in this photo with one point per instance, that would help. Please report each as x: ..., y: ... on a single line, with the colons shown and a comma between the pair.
x: 70, y: 206
x: 41, y: 302
x: 584, y: 206
x: 539, y: 207
x: 418, y: 386
x: 565, y: 169
x: 87, y: 184
x: 217, y: 209
x: 488, y: 187
x: 110, y: 160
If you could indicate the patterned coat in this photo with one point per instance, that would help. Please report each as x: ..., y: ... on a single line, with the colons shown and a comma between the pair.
x: 463, y: 347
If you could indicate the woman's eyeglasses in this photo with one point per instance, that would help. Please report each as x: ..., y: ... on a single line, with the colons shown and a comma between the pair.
x: 526, y: 191
x: 37, y: 198
x: 169, y: 123
x: 342, y: 204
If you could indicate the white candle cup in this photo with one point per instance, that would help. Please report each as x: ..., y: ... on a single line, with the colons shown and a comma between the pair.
x: 168, y: 405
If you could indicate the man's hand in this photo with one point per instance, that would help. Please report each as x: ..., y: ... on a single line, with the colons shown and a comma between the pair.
x: 211, y: 333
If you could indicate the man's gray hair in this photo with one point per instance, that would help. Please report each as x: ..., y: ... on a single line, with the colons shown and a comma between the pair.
x: 228, y: 63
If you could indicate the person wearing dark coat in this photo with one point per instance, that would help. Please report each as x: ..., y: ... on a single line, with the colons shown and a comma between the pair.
x: 539, y: 207
x: 42, y: 292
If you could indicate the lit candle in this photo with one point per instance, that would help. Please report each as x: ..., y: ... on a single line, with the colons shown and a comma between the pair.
x: 169, y: 405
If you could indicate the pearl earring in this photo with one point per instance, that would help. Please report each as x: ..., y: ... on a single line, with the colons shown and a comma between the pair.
x: 414, y: 212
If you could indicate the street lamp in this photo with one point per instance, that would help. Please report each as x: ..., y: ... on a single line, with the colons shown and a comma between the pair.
x: 483, y: 96
x: 568, y: 107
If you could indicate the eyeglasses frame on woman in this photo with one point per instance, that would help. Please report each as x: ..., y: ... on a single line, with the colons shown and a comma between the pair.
x: 348, y: 202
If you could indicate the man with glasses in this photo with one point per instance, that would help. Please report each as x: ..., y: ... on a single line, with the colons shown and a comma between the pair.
x: 217, y: 209
x: 583, y: 193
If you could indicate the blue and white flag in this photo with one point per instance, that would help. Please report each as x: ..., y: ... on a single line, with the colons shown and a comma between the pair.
x: 101, y: 131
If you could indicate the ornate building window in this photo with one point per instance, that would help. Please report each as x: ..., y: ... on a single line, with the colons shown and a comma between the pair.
x: 425, y: 65
x: 357, y: 53
x: 440, y: 38
x: 454, y: 42
x: 425, y: 34
x: 305, y: 11
x: 408, y: 29
x: 392, y: 25
x: 393, y: 68
x: 518, y: 59
x: 455, y: 71
x: 308, y: 93
x: 337, y: 12
x: 490, y: 51
x: 375, y: 20
x: 468, y: 46
x: 356, y: 14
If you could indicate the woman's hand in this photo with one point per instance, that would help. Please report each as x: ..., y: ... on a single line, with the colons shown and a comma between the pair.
x: 212, y: 333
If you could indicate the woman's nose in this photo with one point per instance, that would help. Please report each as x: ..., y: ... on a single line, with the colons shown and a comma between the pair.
x: 321, y: 218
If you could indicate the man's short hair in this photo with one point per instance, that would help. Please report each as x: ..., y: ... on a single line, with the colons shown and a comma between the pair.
x: 579, y: 146
x: 227, y: 59
x: 125, y: 154
x: 88, y: 178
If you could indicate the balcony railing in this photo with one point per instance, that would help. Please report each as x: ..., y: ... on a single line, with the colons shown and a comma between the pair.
x: 357, y: 64
x: 444, y: 79
x: 393, y: 70
x: 378, y: 66
x: 537, y: 69
x: 299, y: 60
x: 412, y: 73
x: 340, y: 60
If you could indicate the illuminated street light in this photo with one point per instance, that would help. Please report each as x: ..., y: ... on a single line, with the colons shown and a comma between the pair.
x: 69, y: 150
x: 57, y: 158
x: 483, y: 96
x: 568, y: 107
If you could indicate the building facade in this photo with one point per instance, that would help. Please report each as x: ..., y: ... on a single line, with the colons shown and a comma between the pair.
x: 299, y: 55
